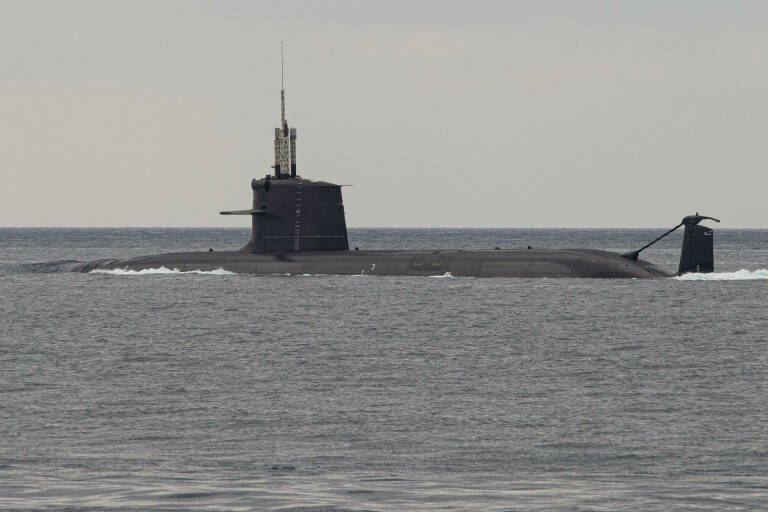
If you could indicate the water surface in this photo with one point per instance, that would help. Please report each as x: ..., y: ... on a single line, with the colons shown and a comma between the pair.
x: 173, y: 391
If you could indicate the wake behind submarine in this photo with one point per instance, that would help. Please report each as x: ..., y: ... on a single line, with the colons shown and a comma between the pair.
x: 298, y: 227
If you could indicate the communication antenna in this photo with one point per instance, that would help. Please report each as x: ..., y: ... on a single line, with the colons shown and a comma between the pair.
x: 282, y: 89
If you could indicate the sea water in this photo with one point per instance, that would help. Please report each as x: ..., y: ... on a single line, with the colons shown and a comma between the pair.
x: 216, y: 391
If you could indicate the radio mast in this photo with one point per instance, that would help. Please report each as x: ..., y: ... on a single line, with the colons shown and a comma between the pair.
x: 285, y: 138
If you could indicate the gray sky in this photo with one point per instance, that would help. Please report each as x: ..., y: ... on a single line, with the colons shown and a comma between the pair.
x: 488, y: 114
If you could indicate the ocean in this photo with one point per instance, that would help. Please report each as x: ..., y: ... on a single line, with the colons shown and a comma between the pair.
x: 214, y: 391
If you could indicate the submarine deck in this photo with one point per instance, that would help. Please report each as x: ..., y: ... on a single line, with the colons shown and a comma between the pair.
x: 554, y: 263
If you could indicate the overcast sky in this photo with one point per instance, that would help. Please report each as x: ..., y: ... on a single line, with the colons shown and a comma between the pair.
x: 485, y: 114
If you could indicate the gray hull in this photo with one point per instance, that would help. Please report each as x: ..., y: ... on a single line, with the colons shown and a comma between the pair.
x: 553, y: 263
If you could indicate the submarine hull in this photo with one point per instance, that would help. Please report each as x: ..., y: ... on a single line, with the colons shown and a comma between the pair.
x: 552, y: 263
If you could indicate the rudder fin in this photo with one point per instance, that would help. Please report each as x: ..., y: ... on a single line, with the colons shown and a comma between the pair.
x: 697, y: 254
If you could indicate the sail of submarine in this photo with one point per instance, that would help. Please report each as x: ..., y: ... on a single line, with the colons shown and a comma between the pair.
x: 298, y: 227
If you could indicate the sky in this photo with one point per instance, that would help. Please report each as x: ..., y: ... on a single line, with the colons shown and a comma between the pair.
x: 437, y: 113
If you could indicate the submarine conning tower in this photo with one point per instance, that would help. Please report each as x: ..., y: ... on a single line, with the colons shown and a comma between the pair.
x: 291, y: 213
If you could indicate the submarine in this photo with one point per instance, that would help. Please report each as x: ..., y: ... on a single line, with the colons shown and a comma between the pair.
x: 298, y: 227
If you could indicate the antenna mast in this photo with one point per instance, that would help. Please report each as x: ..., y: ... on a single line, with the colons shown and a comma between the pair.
x: 285, y: 139
x: 282, y: 86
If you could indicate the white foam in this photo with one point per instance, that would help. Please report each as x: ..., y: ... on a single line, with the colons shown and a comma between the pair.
x: 443, y: 276
x: 739, y: 275
x: 162, y: 270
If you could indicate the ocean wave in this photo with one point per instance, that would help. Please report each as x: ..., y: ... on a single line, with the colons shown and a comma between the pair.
x: 161, y: 270
x: 739, y: 275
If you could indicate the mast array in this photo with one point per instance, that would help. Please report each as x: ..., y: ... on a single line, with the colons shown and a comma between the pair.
x: 285, y: 138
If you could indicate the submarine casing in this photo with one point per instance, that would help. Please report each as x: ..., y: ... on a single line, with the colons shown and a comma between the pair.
x: 523, y: 263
